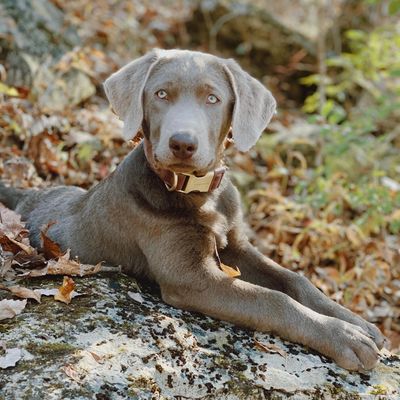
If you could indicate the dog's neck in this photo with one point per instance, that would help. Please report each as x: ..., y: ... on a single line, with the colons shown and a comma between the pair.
x: 184, y: 183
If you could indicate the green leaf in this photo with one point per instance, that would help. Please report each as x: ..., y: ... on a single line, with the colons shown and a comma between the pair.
x: 7, y: 90
x: 394, y: 7
x: 327, y: 108
x: 395, y: 73
x: 355, y: 34
x: 309, y: 80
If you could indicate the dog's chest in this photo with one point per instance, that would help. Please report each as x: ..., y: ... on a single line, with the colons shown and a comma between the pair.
x: 216, y: 222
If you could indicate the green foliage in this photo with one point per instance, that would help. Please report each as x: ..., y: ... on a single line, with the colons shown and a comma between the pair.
x: 358, y: 144
x: 372, y: 64
x: 394, y: 7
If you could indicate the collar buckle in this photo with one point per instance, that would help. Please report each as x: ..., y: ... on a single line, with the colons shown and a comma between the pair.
x: 174, y: 185
x: 198, y: 183
x: 187, y: 183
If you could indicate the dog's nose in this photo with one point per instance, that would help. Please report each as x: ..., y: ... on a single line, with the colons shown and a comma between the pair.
x: 183, y: 145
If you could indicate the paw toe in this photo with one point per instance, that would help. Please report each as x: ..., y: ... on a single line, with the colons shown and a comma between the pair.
x: 376, y: 335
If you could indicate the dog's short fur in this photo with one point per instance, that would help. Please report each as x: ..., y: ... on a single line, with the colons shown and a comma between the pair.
x: 132, y: 219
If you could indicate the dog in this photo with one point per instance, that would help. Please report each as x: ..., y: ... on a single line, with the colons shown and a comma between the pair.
x: 170, y: 213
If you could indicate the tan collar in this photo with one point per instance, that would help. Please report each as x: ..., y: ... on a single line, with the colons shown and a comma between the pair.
x: 185, y: 183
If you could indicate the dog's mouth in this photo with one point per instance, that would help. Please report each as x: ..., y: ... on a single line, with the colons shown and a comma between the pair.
x: 183, y: 168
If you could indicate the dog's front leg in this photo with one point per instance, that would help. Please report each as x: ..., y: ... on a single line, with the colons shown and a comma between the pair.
x: 257, y: 268
x: 190, y: 279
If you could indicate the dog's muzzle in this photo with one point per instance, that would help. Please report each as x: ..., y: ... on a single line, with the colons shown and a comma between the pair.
x: 185, y: 183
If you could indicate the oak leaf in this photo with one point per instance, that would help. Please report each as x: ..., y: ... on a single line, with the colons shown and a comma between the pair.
x: 71, y: 372
x: 232, y: 272
x: 269, y: 348
x: 64, y: 293
x: 50, y: 248
x: 65, y: 266
x: 22, y: 292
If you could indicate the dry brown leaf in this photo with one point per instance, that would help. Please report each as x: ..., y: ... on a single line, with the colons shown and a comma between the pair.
x: 65, y: 266
x: 65, y: 290
x: 34, y: 273
x: 71, y: 372
x: 50, y: 248
x: 6, y: 267
x: 22, y: 292
x: 11, y: 308
x: 270, y: 348
x: 28, y: 261
x: 354, y: 235
x: 69, y: 267
x: 231, y: 272
x: 10, y: 222
x: 97, y: 358
x: 26, y: 248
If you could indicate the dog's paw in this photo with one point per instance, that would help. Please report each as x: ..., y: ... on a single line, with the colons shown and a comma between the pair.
x: 371, y: 331
x: 375, y: 334
x: 351, y: 347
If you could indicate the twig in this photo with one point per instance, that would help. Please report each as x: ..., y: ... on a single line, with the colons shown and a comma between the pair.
x: 321, y: 52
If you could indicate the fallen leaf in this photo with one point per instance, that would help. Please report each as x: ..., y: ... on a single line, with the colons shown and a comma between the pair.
x: 65, y: 266
x: 270, y: 348
x: 10, y: 221
x: 8, y: 90
x: 34, y: 273
x: 232, y: 272
x: 50, y: 248
x: 136, y: 296
x: 71, y: 372
x: 96, y: 357
x: 22, y: 292
x: 26, y: 248
x: 64, y: 293
x: 5, y: 266
x: 47, y: 292
x: 10, y: 358
x: 11, y: 308
x: 29, y: 261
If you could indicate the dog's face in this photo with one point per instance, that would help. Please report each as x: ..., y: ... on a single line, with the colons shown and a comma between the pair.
x: 188, y: 105
x: 186, y: 102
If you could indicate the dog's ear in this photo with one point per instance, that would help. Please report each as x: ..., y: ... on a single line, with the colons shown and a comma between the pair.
x: 253, y: 109
x: 124, y: 90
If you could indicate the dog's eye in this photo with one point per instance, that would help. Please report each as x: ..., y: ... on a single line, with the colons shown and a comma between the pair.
x: 212, y: 99
x: 162, y: 94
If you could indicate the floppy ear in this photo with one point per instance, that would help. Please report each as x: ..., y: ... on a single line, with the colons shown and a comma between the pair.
x: 124, y: 90
x: 253, y: 109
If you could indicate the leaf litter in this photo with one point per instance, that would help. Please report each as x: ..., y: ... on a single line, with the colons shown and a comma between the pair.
x: 19, y: 260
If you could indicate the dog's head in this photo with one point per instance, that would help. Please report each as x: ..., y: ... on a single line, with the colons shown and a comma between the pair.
x: 186, y: 102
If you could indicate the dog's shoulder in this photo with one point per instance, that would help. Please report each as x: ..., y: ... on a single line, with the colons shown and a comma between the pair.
x: 229, y: 202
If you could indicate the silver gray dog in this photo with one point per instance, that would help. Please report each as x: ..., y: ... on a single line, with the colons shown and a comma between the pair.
x: 169, y: 212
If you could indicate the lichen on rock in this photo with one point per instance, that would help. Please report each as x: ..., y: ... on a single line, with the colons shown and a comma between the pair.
x: 105, y: 343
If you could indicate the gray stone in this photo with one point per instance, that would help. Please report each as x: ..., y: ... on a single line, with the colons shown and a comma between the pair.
x: 54, y: 90
x: 32, y: 31
x: 112, y: 343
